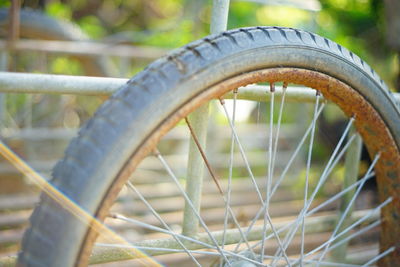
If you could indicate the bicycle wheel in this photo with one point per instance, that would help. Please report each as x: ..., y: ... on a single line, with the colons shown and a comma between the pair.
x: 127, y: 129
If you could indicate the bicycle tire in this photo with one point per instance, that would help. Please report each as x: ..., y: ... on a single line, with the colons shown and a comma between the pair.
x: 36, y: 25
x: 124, y: 128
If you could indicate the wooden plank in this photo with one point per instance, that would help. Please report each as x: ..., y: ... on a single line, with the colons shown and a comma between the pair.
x: 18, y: 201
x: 14, y: 219
x: 215, y: 215
x: 11, y: 236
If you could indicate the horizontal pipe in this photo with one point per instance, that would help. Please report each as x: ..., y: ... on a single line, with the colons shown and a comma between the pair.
x: 315, y: 224
x: 12, y: 82
x: 84, y: 48
x: 58, y: 84
x: 262, y: 94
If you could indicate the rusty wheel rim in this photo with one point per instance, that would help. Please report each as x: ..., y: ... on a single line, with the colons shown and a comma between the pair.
x: 369, y: 124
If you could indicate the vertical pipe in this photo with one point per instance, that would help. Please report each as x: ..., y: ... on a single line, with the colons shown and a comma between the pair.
x: 3, y: 67
x: 352, y: 163
x: 13, y: 35
x: 219, y: 16
x: 195, y: 170
x: 199, y: 121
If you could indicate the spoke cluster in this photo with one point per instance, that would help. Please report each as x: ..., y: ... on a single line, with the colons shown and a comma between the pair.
x: 282, y: 235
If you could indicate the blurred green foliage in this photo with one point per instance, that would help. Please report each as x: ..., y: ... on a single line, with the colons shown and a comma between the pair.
x: 5, y: 4
x: 358, y: 25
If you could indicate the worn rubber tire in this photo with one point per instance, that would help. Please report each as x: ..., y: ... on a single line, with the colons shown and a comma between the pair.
x: 131, y: 115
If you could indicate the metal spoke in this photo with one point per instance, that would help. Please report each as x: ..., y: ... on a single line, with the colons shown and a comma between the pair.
x: 321, y: 181
x: 355, y: 234
x: 310, y: 148
x: 269, y: 171
x: 345, y: 231
x: 187, y: 199
x: 251, y: 176
x: 219, y: 187
x: 341, y: 154
x: 320, y: 206
x: 190, y: 239
x: 155, y: 213
x: 297, y: 150
x: 229, y: 188
x: 158, y: 249
x: 206, y: 245
x: 267, y: 218
x: 288, y: 230
x: 260, y: 211
x: 210, y: 253
x: 366, y: 216
x: 203, y: 155
x: 314, y: 261
x: 340, y: 194
x: 284, y: 87
x: 161, y: 230
x: 278, y: 127
x: 352, y: 226
x: 241, y: 150
x: 343, y: 217
x: 195, y: 170
x: 351, y: 166
x: 242, y: 234
x: 380, y: 256
x: 334, y: 264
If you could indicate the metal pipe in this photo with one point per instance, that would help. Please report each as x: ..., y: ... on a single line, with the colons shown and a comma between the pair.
x: 199, y: 120
x: 219, y: 16
x: 195, y: 170
x: 85, y: 48
x: 58, y: 84
x: 3, y: 67
x: 12, y: 82
x: 319, y: 224
x: 352, y: 163
x: 259, y: 93
x: 14, y: 23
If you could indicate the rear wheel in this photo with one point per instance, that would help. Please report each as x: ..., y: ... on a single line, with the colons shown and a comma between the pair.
x: 133, y: 138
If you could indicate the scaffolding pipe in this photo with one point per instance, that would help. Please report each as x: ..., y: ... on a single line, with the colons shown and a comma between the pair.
x: 199, y: 119
x: 84, y: 48
x: 12, y: 82
x: 58, y: 84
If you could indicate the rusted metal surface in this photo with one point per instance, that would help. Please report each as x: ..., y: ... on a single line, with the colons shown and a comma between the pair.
x: 203, y: 155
